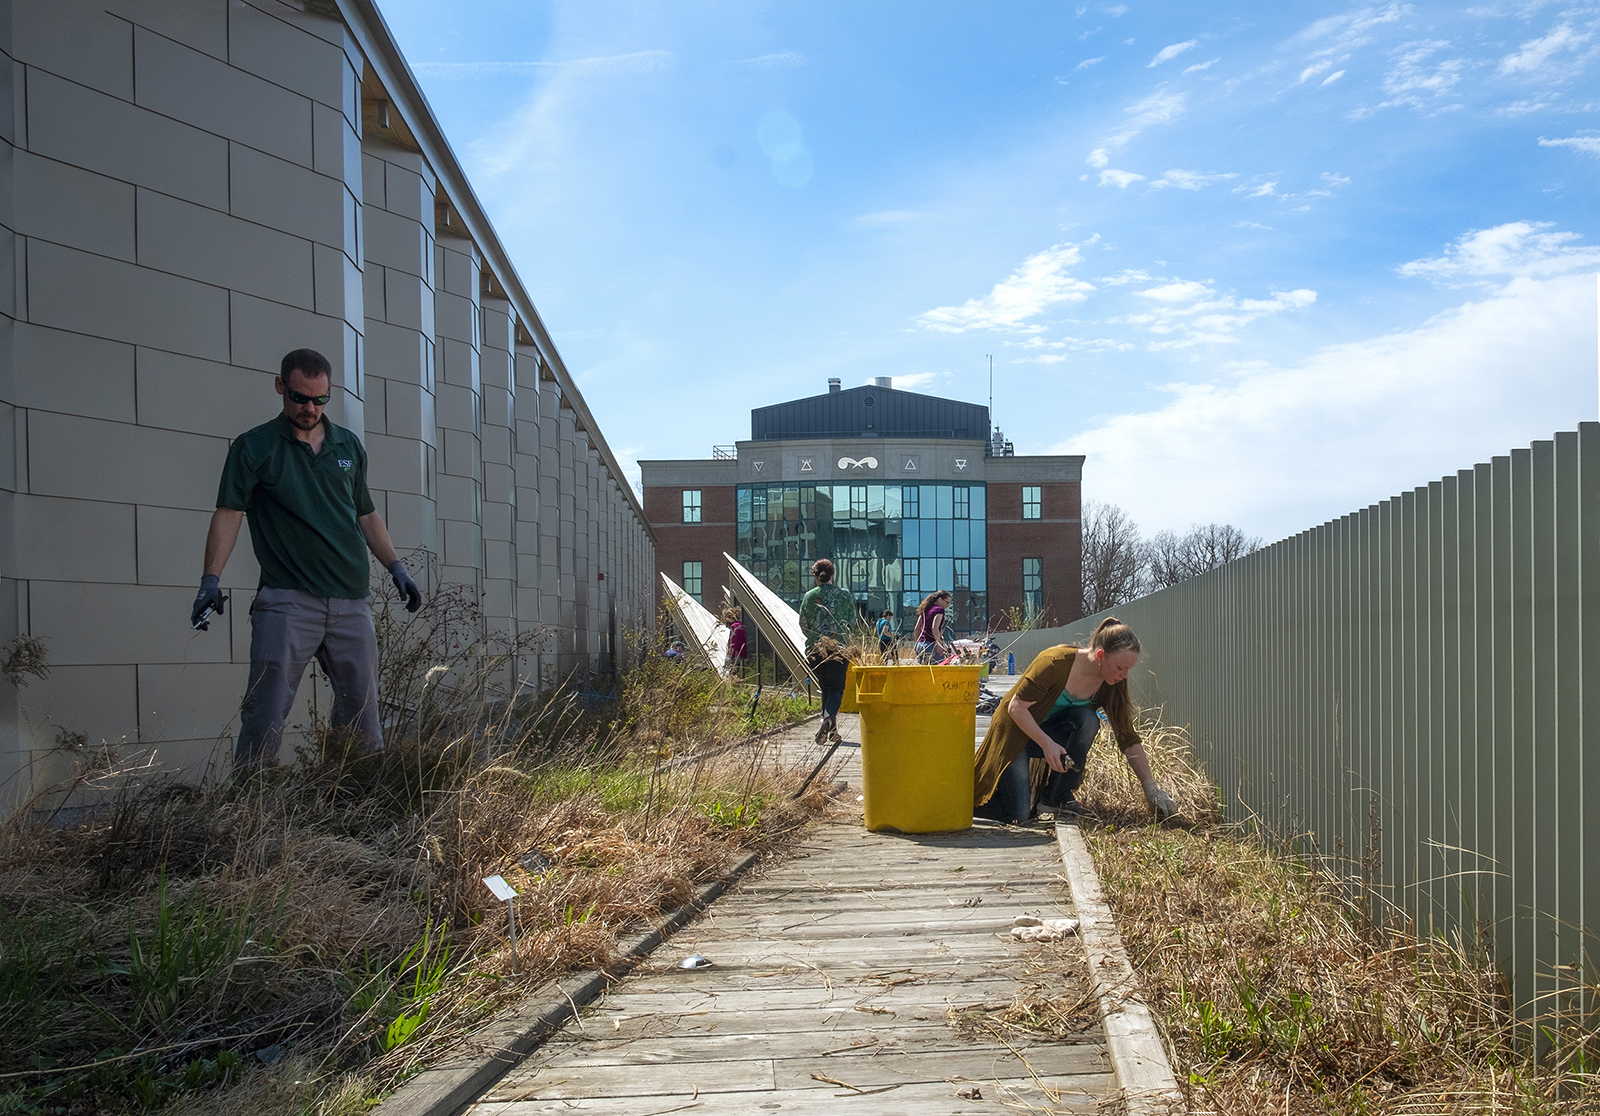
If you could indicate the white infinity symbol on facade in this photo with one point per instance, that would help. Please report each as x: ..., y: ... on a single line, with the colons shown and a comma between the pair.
x: 858, y: 463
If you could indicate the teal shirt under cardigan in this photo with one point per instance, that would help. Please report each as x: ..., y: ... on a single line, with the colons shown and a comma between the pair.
x: 302, y: 507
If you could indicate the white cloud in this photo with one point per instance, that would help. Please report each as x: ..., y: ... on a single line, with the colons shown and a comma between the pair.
x: 782, y: 60
x: 1350, y: 29
x: 1588, y: 145
x: 1167, y: 54
x: 1521, y: 108
x: 1331, y: 78
x: 1187, y: 313
x: 1251, y: 225
x: 1521, y: 249
x: 1536, y: 52
x: 1275, y: 450
x: 1264, y: 190
x: 1039, y: 283
x: 911, y: 381
x: 1416, y: 73
x: 1313, y: 70
x: 639, y: 60
x: 1087, y: 62
x: 1198, y: 66
x: 1098, y: 157
x: 1333, y: 178
x: 1160, y: 107
x: 1181, y: 291
x: 1073, y: 344
x: 1122, y: 278
x: 1188, y: 180
x: 1121, y: 179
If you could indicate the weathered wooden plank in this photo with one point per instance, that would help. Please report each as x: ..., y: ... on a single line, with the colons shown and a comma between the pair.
x: 868, y: 924
x: 735, y: 1045
x: 562, y: 1081
x: 917, y: 1099
x: 840, y: 994
x: 940, y: 949
x: 840, y: 883
x: 906, y: 904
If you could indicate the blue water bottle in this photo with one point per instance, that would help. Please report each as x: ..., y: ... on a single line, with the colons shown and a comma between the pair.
x: 1011, y: 663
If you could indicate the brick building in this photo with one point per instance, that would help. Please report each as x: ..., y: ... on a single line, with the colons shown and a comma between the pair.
x: 905, y: 492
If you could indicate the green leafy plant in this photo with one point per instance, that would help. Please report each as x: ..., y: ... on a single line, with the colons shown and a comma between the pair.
x: 189, y: 957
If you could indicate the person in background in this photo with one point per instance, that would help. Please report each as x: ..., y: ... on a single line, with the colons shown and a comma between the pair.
x: 302, y: 481
x: 1052, y: 713
x: 827, y: 618
x: 737, y: 650
x: 886, y: 633
x: 931, y: 644
x: 676, y: 650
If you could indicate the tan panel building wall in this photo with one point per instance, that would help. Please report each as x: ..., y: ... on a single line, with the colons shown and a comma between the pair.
x: 186, y: 193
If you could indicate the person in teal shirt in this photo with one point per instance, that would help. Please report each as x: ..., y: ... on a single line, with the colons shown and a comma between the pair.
x: 827, y: 618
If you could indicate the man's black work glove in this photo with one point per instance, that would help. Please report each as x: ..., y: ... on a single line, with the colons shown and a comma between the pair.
x: 210, y: 597
x: 407, y: 588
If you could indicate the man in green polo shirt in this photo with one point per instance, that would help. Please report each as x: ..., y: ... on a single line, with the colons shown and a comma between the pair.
x: 303, y: 483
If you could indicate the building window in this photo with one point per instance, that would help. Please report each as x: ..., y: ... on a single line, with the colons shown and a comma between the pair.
x: 1032, y: 587
x: 692, y: 579
x: 963, y: 579
x: 1030, y: 501
x: 908, y: 502
x: 963, y: 502
x: 691, y: 505
x: 858, y: 501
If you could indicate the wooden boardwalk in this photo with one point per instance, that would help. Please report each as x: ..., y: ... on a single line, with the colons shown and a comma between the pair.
x: 863, y: 972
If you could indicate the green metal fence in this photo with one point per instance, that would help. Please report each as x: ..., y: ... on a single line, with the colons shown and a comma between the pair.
x: 1413, y: 690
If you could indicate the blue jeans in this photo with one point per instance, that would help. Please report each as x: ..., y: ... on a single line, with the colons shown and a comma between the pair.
x: 1074, y: 729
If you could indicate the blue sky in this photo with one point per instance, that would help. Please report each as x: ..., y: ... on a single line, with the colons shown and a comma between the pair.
x: 1262, y: 263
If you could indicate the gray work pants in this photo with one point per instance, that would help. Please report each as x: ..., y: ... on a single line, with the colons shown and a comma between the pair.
x: 287, y: 628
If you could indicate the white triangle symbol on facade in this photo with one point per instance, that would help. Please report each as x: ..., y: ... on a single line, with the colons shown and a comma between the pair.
x: 911, y: 465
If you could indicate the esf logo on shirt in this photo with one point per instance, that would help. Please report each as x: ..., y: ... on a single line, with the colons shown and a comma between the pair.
x: 346, y: 463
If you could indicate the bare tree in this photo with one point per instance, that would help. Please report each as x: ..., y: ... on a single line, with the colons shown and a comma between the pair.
x: 1174, y: 558
x: 1114, y: 557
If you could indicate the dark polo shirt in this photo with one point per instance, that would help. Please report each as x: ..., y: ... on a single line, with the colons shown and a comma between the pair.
x: 302, y: 507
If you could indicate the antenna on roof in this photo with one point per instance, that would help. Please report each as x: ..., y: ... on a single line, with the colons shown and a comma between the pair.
x: 991, y: 387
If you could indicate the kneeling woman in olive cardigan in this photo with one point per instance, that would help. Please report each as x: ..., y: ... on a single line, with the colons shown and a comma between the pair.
x: 1051, y: 714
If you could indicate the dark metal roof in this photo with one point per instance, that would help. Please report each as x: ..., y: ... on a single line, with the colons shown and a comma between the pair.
x: 877, y: 412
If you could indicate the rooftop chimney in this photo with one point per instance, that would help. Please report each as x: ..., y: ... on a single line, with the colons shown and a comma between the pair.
x: 883, y: 381
x: 833, y: 385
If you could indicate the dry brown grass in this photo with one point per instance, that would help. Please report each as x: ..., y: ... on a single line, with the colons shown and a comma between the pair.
x: 305, y: 942
x: 1273, y: 994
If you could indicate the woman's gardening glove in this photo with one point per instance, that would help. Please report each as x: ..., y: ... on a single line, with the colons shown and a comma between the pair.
x: 1159, y: 801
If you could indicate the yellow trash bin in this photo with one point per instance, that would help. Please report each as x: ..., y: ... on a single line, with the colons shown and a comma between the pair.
x: 848, y: 705
x: 918, y: 725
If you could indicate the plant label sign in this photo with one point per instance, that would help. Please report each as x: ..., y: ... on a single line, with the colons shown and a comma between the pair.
x: 502, y: 890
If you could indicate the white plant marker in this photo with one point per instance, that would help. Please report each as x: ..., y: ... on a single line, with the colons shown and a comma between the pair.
x: 505, y: 892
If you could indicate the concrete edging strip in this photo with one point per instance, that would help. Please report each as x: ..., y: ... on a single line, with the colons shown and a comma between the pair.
x: 1139, y: 1062
x: 499, y: 1045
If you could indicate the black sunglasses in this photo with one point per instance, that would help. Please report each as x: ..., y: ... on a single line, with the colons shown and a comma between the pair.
x: 317, y: 400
